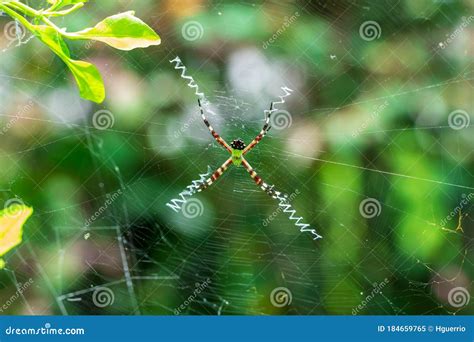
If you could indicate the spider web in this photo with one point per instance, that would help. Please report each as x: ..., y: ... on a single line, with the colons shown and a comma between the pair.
x: 232, y: 251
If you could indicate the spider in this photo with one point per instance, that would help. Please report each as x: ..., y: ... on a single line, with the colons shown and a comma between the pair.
x: 238, y: 149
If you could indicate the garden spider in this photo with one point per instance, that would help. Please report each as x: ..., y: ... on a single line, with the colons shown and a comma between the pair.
x: 238, y: 149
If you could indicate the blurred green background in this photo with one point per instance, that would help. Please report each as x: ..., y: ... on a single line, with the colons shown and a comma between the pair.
x: 381, y: 114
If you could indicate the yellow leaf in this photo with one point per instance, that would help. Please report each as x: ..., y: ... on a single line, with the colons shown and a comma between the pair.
x: 12, y: 220
x: 122, y: 31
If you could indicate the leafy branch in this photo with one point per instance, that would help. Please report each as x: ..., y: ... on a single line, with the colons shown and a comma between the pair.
x: 122, y: 31
x: 12, y: 220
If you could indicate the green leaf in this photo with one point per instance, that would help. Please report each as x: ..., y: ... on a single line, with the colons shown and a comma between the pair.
x: 52, y: 39
x: 58, y: 4
x: 88, y: 78
x: 122, y: 31
x: 12, y: 220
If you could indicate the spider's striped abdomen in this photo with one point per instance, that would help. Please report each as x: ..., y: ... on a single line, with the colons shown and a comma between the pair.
x: 238, y: 147
x: 237, y: 157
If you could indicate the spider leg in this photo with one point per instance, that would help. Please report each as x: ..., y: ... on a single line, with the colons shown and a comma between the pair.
x: 216, y: 136
x: 215, y: 175
x: 269, y: 189
x: 263, y: 132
